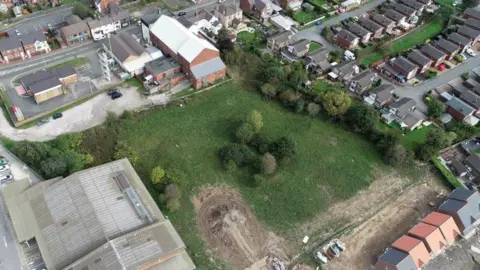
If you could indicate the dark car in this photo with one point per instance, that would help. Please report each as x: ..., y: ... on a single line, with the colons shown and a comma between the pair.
x: 183, y: 13
x: 42, y: 122
x: 112, y: 91
x: 57, y: 115
x: 116, y: 95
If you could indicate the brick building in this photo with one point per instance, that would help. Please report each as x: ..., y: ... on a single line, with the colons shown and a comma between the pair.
x: 199, y: 59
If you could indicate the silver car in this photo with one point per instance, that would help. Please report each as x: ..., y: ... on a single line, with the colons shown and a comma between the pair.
x: 4, y: 168
x: 6, y: 179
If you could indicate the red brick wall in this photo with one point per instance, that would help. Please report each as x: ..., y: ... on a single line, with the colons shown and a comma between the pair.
x: 342, y: 42
x: 458, y: 116
x: 178, y: 79
x: 164, y: 48
x: 211, y: 78
x: 245, y: 6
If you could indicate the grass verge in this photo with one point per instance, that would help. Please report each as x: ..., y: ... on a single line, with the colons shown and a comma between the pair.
x: 77, y: 62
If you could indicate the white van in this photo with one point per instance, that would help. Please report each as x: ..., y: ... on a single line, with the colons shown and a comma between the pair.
x: 348, y: 55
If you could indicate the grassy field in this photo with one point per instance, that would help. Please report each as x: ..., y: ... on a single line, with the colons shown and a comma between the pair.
x: 189, y: 137
x: 415, y: 138
x: 418, y: 36
x: 314, y: 46
x: 303, y: 17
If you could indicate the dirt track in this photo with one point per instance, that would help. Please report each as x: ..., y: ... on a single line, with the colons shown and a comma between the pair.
x: 229, y: 227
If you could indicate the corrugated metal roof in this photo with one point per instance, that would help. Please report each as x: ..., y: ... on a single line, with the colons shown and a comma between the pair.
x: 406, y: 243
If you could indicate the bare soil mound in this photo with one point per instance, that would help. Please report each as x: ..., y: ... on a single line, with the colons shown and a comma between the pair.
x: 229, y: 227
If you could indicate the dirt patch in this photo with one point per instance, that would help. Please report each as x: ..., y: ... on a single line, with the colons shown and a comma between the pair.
x: 231, y: 229
x: 302, y: 267
x: 369, y: 240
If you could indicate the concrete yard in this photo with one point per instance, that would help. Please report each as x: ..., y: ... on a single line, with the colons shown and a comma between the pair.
x: 457, y: 256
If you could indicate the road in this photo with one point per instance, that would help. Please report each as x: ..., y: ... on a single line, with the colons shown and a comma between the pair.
x: 313, y: 33
x: 9, y: 258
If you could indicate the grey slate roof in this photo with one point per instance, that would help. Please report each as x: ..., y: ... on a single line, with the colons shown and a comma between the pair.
x: 149, y: 19
x: 74, y: 29
x: 347, y: 35
x: 394, y: 15
x: 458, y: 166
x: 35, y: 77
x: 208, y: 67
x: 468, y: 32
x: 64, y: 72
x: 474, y: 12
x: 413, y: 4
x: 281, y: 37
x: 365, y: 78
x: 402, y: 260
x: 403, y: 105
x: 432, y: 52
x: 346, y: 67
x: 405, y: 63
x: 471, y: 98
x: 43, y: 80
x: 33, y: 37
x: 473, y: 23
x: 382, y: 20
x: 356, y: 29
x: 319, y: 55
x: 458, y: 39
x: 463, y: 194
x: 369, y: 24
x: 474, y: 161
x: 418, y: 58
x: 228, y: 9
x: 124, y: 46
x: 301, y: 45
x: 45, y: 85
x: 411, y: 120
x: 452, y: 206
x: 460, y: 106
x: 446, y: 45
x: 383, y: 92
x: 161, y: 65
x: 200, y: 15
x: 73, y: 19
x: 10, y: 43
x: 401, y: 8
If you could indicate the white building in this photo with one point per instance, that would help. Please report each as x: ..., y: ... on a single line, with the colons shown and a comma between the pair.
x: 202, y: 20
x: 282, y: 22
x: 108, y: 24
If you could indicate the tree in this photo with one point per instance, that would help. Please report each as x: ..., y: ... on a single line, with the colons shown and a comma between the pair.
x: 425, y: 152
x: 313, y: 108
x: 336, y: 103
x: 82, y: 11
x: 123, y: 150
x: 245, y: 133
x: 269, y: 90
x: 88, y: 159
x: 283, y: 148
x: 31, y: 152
x: 224, y: 40
x: 386, y: 141
x: 299, y: 105
x: 470, y: 3
x: 297, y: 76
x: 327, y: 32
x: 261, y: 142
x: 435, y: 107
x: 436, y: 138
x: 396, y: 155
x: 362, y: 118
x: 236, y: 152
x: 157, y: 176
x: 289, y: 12
x: 254, y: 119
x: 268, y: 163
x: 53, y: 167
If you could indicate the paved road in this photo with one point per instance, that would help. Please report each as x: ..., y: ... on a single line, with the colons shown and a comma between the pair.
x: 9, y: 259
x: 313, y: 33
x: 417, y: 92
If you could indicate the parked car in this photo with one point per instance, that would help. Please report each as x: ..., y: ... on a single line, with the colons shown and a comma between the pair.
x: 17, y: 32
x: 183, y: 13
x: 3, y: 161
x: 42, y: 122
x: 5, y: 179
x: 57, y: 115
x: 116, y: 95
x: 50, y: 27
x: 4, y: 167
x: 318, y: 23
x: 470, y: 52
x: 112, y: 91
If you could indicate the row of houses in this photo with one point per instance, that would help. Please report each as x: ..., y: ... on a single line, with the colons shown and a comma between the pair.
x: 377, y: 25
x: 458, y: 215
x: 18, y: 48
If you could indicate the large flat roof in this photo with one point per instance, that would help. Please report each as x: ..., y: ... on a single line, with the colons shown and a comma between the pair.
x: 87, y: 219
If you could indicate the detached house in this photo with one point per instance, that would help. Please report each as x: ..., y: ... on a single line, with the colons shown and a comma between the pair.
x: 317, y: 61
x: 226, y: 13
x: 395, y: 16
x: 423, y: 62
x: 461, y: 41
x: 360, y: 32
x: 199, y: 59
x: 380, y: 96
x: 280, y: 40
x: 374, y: 28
x: 449, y: 48
x: 346, y: 39
x: 405, y: 67
x: 296, y: 50
x: 433, y: 53
x: 11, y: 49
x: 344, y: 71
x: 470, y: 33
x: 260, y: 8
x: 363, y: 81
x: 35, y: 43
x: 385, y: 22
x: 403, y: 112
x: 472, y: 13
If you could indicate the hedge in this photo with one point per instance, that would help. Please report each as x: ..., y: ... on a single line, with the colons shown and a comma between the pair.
x: 451, y: 179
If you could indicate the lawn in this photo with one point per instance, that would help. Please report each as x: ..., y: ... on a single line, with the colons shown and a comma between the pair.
x: 303, y: 17
x: 445, y: 2
x: 317, y: 2
x: 415, y: 138
x: 189, y: 137
x: 419, y: 36
x: 246, y: 36
x: 323, y: 86
x: 314, y: 46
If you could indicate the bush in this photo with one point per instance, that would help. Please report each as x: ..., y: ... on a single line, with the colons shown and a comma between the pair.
x: 396, y: 155
x: 122, y: 150
x: 269, y: 90
x: 466, y: 76
x: 435, y: 107
x: 268, y: 164
x: 283, y: 148
x: 245, y: 133
x: 458, y: 58
x: 157, y: 176
x: 313, y: 108
x: 254, y: 119
x: 299, y: 105
x: 171, y: 197
x: 336, y: 103
x: 240, y: 154
x: 261, y: 142
x: 362, y: 118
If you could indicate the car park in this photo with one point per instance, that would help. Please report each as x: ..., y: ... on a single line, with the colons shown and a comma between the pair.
x: 116, y: 95
x: 57, y: 115
x: 470, y: 52
x: 4, y: 168
x: 42, y: 122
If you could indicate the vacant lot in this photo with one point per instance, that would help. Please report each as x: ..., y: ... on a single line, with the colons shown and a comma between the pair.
x: 419, y: 36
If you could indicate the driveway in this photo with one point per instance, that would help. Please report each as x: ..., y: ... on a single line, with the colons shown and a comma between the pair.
x: 79, y: 118
x: 313, y: 33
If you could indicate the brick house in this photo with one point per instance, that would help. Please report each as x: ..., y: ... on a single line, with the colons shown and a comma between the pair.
x: 470, y: 33
x: 433, y: 53
x: 75, y: 33
x: 472, y: 13
x: 259, y: 8
x: 296, y: 50
x: 385, y: 22
x: 279, y: 41
x: 374, y: 28
x: 226, y: 13
x: 395, y: 16
x: 405, y: 10
x: 415, y: 248
x: 461, y: 41
x: 449, y: 48
x: 360, y: 32
x: 11, y: 49
x: 346, y: 39
x: 199, y: 59
x: 35, y: 43
x: 423, y: 62
x: 102, y: 5
x: 418, y: 6
x: 459, y: 109
x: 405, y: 67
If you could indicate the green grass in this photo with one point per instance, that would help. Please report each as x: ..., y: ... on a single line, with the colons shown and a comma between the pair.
x: 445, y: 2
x: 314, y: 46
x: 318, y: 2
x: 323, y: 86
x: 413, y: 139
x: 303, y: 17
x: 419, y: 36
x: 246, y: 36
x: 189, y: 138
x: 450, y: 179
x: 77, y: 62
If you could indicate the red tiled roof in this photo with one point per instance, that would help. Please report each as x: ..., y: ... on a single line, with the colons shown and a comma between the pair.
x: 406, y: 243
x: 422, y: 230
x: 436, y: 218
